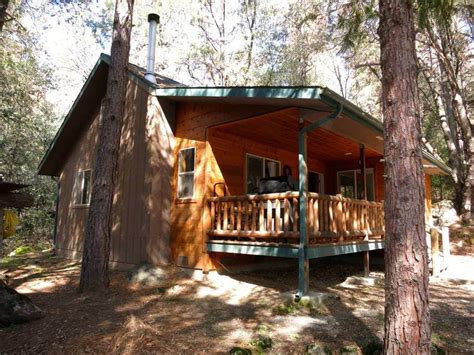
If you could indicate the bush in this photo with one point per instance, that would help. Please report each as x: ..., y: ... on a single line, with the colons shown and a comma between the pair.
x: 24, y: 249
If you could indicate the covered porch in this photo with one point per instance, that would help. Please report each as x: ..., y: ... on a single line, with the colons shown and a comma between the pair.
x: 314, y: 220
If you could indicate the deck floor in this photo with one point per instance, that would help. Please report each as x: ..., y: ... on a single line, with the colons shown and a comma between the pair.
x: 290, y: 250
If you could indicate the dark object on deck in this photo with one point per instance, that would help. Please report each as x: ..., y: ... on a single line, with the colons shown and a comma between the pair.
x: 276, y: 184
x: 16, y: 308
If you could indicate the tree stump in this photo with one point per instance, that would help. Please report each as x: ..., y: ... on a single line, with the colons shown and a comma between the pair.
x: 16, y: 308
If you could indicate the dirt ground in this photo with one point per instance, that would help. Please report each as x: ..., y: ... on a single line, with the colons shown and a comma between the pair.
x: 183, y: 315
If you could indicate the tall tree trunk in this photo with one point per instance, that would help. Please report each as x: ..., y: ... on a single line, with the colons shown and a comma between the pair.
x: 468, y: 195
x: 407, y: 319
x: 95, y: 260
x: 3, y: 12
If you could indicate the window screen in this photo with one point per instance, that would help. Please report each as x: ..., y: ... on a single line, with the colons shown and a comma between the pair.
x: 83, y: 187
x: 258, y: 168
x: 186, y: 173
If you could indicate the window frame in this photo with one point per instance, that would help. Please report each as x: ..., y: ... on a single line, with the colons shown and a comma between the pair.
x: 264, y: 159
x: 355, y: 171
x: 78, y: 191
x: 186, y: 198
x: 321, y: 180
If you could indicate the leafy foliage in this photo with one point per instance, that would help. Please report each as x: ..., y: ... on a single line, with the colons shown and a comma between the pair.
x: 27, y: 123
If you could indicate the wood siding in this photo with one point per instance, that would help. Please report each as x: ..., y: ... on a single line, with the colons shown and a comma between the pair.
x: 137, y: 188
x: 188, y: 217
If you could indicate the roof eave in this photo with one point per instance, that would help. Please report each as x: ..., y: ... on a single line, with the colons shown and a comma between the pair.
x: 66, y: 119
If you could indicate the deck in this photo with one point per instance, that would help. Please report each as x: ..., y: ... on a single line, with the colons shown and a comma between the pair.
x: 269, y: 225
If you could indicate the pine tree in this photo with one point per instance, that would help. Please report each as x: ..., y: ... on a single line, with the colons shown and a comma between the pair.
x: 95, y: 260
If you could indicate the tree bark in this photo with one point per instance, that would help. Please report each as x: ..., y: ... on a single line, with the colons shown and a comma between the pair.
x: 407, y: 319
x: 3, y: 12
x: 95, y: 260
x: 455, y: 102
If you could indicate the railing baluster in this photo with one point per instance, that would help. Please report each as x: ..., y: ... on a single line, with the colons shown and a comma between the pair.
x: 254, y: 216
x: 219, y: 216
x: 277, y: 216
x: 225, y: 223
x: 295, y: 215
x: 213, y: 214
x: 239, y: 216
x: 261, y: 217
x: 247, y: 213
x: 232, y: 216
x: 286, y: 215
x: 327, y: 217
x: 316, y: 216
x: 269, y: 215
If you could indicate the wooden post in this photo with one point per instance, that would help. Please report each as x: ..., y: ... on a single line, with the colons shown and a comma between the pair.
x: 364, y: 197
x: 362, y: 171
x: 446, y: 247
x: 435, y: 233
x: 303, y: 262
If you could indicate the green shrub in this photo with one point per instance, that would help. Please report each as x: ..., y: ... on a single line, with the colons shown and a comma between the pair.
x: 24, y: 249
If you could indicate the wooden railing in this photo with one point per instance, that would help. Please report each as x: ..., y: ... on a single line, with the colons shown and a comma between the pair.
x: 276, y: 217
x: 336, y: 216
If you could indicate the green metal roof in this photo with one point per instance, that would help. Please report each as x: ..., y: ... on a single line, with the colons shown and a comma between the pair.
x: 309, y: 93
x: 292, y: 95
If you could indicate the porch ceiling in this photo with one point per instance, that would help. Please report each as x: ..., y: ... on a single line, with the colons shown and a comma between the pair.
x: 280, y: 129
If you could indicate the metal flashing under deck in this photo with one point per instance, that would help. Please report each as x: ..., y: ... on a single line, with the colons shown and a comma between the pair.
x: 291, y: 250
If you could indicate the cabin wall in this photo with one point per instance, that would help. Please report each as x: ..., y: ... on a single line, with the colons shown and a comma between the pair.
x: 188, y: 222
x: 130, y: 221
x: 71, y: 220
x: 228, y: 159
x: 160, y: 143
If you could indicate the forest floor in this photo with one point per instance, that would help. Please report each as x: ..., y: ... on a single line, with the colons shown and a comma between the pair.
x: 183, y: 315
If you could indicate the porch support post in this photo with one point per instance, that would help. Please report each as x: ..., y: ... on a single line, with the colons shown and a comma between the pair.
x: 362, y: 171
x: 303, y: 260
x: 364, y: 197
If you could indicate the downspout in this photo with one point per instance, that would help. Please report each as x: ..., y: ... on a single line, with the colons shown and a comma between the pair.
x: 55, y: 230
x: 303, y: 261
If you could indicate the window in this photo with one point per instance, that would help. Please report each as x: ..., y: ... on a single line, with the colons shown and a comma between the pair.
x: 186, y: 173
x: 83, y: 187
x: 258, y: 168
x: 315, y: 182
x: 350, y: 184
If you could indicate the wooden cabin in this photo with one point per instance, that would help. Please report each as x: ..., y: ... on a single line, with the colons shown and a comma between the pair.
x: 193, y: 162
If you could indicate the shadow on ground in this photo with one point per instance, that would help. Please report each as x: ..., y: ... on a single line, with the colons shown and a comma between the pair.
x: 188, y: 316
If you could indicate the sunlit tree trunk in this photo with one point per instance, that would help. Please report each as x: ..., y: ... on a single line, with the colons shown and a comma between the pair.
x: 95, y: 260
x: 407, y: 318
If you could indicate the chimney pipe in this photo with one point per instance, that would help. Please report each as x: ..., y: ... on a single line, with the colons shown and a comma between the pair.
x: 153, y: 20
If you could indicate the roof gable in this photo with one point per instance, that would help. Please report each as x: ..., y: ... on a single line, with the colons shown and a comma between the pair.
x: 88, y: 99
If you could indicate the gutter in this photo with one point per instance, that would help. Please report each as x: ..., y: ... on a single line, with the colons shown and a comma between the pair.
x: 56, y: 213
x: 303, y: 260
